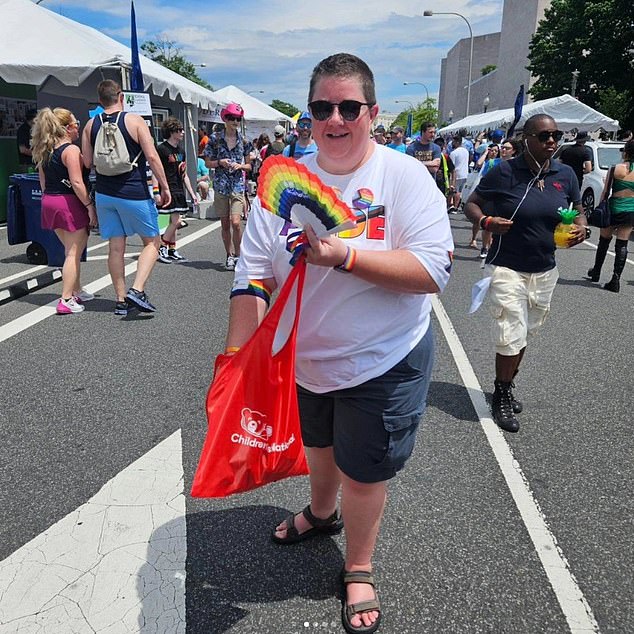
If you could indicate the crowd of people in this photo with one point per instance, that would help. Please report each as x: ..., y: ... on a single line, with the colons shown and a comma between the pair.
x: 361, y: 396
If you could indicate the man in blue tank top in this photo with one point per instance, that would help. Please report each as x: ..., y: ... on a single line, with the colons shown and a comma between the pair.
x: 124, y: 204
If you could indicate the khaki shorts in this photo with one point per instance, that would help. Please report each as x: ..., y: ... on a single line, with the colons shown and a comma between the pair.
x: 519, y: 304
x: 233, y: 205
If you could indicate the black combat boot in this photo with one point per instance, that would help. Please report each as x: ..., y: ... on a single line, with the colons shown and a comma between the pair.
x: 602, y: 248
x: 620, y: 257
x: 502, y: 407
x: 518, y: 406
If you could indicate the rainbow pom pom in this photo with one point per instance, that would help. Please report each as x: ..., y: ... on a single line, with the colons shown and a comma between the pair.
x: 287, y: 189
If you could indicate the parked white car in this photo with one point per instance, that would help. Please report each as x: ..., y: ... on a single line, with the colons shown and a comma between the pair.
x: 604, y: 155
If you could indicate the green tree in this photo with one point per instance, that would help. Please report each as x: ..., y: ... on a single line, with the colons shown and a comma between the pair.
x: 283, y: 106
x: 424, y: 111
x: 489, y: 68
x: 595, y: 37
x: 168, y: 54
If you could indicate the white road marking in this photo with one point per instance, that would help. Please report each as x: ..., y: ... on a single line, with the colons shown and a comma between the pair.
x: 43, y: 312
x: 34, y: 269
x: 114, y: 563
x: 576, y: 609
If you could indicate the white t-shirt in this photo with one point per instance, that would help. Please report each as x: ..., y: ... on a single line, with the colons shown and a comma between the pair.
x: 350, y: 330
x: 460, y: 158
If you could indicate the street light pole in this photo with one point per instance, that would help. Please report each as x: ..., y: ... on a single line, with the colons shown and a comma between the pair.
x: 411, y: 105
x: 429, y: 13
x: 417, y: 83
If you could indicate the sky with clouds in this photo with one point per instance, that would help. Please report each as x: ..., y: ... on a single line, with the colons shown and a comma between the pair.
x: 273, y: 45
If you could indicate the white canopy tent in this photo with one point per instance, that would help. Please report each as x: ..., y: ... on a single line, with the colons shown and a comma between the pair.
x: 38, y: 44
x: 568, y: 112
x: 259, y: 117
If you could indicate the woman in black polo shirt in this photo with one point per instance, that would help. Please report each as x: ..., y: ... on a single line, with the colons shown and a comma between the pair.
x: 518, y: 201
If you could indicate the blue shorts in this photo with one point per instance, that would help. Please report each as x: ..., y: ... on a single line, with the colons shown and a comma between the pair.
x: 371, y: 427
x: 120, y: 217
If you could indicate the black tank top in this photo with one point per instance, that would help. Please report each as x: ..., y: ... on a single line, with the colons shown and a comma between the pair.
x: 131, y: 185
x: 56, y: 173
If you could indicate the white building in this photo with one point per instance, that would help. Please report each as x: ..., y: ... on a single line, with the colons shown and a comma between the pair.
x: 507, y: 50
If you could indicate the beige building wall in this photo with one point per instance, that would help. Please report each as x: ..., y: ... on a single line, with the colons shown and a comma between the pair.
x: 519, y: 22
x: 455, y: 70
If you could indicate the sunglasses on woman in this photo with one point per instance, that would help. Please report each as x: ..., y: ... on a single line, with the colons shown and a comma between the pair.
x: 231, y: 117
x: 349, y: 109
x: 543, y: 136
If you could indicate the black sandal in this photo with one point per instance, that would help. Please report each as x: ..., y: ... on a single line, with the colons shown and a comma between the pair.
x: 329, y: 526
x: 350, y: 610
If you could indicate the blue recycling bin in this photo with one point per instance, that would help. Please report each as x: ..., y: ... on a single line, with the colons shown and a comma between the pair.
x: 24, y: 222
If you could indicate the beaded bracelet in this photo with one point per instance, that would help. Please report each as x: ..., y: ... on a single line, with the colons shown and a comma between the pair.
x: 348, y: 263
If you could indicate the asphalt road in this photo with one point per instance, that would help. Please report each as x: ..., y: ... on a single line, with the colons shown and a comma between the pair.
x: 84, y: 396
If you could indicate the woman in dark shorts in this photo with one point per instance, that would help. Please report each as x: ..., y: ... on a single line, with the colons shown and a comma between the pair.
x: 67, y: 208
x: 174, y: 163
x: 621, y: 201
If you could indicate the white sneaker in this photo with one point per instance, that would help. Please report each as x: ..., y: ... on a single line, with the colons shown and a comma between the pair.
x: 163, y: 256
x: 69, y: 306
x: 230, y: 264
x: 83, y: 296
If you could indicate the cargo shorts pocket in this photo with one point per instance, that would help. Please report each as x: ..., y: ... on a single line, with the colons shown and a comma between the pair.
x: 401, y: 431
x: 501, y: 328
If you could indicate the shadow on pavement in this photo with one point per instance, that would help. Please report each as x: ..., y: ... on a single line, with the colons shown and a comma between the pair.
x: 231, y: 561
x: 452, y: 399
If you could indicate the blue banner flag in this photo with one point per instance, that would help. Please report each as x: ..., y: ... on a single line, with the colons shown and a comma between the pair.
x: 136, y: 75
x: 519, y: 104
x: 408, y: 127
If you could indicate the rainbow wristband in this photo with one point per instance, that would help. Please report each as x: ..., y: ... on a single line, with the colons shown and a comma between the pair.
x: 349, y: 261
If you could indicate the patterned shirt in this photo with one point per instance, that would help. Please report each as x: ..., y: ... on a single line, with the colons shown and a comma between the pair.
x: 227, y: 182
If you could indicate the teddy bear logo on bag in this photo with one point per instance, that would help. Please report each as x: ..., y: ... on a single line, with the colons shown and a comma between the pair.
x: 253, y: 423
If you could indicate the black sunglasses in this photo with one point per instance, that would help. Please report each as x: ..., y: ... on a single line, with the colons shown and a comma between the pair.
x: 230, y: 117
x: 349, y: 109
x: 542, y: 137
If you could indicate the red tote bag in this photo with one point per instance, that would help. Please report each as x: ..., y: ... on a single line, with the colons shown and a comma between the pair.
x: 254, y: 433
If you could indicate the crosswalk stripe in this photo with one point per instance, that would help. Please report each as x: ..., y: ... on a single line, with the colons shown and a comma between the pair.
x: 114, y: 563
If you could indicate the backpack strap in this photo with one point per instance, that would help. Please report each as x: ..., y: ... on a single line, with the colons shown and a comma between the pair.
x: 291, y: 149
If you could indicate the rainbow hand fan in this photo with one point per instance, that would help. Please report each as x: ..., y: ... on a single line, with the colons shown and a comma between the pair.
x: 287, y: 189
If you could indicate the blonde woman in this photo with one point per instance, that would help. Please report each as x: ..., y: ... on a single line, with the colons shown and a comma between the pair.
x: 66, y: 205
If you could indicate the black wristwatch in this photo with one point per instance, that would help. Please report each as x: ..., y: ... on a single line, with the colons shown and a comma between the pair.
x: 588, y: 232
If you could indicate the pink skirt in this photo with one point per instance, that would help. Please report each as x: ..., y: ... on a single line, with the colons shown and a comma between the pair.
x: 63, y: 211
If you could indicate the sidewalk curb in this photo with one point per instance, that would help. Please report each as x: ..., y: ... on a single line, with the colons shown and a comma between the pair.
x: 26, y: 286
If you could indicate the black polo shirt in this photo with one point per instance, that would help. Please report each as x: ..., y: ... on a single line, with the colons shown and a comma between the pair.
x: 529, y: 246
x: 575, y: 156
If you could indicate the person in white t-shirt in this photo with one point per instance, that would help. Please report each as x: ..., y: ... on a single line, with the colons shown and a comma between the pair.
x: 364, y: 346
x: 460, y: 158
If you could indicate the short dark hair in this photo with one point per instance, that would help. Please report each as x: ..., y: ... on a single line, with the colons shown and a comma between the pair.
x: 457, y: 140
x: 344, y: 65
x: 170, y: 125
x: 203, y: 129
x: 439, y: 141
x: 531, y: 123
x: 108, y: 91
x: 425, y: 125
x: 628, y: 150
